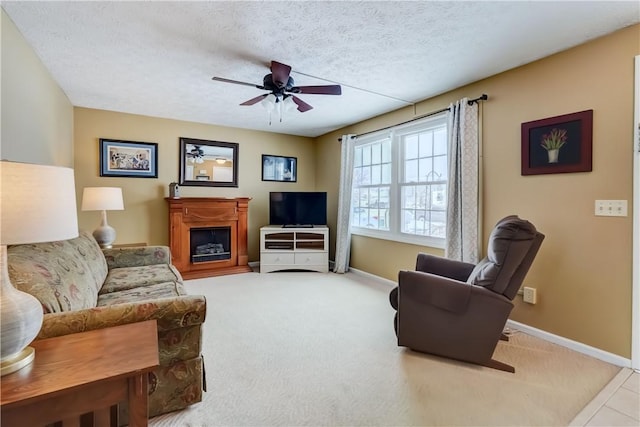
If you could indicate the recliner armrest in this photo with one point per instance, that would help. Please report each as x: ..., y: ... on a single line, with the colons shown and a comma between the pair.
x: 429, y: 289
x: 443, y: 293
x: 440, y: 266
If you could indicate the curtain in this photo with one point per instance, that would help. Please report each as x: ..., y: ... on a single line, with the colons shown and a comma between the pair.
x: 343, y: 232
x: 463, y: 188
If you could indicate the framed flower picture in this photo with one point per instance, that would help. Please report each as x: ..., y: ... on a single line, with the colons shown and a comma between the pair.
x: 560, y: 144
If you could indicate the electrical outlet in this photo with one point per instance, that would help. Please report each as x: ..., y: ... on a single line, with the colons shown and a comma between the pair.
x: 529, y: 295
x: 611, y: 208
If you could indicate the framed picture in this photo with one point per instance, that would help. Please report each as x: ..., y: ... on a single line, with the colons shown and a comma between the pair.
x: 558, y: 144
x: 278, y: 168
x: 128, y: 158
x: 208, y: 163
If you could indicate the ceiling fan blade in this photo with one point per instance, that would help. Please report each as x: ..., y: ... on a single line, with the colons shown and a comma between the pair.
x: 221, y: 79
x: 280, y: 73
x: 318, y: 90
x: 255, y: 100
x: 302, y: 106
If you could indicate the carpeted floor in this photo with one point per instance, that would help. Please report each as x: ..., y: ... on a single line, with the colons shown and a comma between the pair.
x: 311, y: 349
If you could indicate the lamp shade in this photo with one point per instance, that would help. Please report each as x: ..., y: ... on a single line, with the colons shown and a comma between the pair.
x: 289, y: 105
x: 37, y: 203
x: 269, y: 102
x: 102, y: 199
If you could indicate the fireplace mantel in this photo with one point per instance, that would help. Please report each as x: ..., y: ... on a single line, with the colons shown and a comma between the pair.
x: 186, y: 213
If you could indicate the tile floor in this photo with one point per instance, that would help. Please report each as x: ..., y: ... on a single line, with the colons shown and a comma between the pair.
x: 618, y: 404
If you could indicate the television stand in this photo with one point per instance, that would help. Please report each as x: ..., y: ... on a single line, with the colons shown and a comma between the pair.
x: 294, y: 248
x: 298, y: 226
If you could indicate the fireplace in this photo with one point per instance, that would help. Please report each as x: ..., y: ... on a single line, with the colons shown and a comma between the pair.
x: 208, y: 235
x: 210, y: 244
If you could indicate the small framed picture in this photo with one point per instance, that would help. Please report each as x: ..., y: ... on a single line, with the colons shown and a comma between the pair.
x: 128, y: 158
x: 278, y: 168
x: 560, y: 144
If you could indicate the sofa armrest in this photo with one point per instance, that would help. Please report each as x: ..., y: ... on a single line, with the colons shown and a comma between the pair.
x: 171, y: 313
x: 137, y: 256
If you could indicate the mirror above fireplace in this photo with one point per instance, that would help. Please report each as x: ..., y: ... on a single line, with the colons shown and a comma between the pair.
x: 208, y: 163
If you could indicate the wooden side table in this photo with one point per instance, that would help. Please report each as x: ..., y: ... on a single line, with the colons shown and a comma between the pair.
x: 82, y: 373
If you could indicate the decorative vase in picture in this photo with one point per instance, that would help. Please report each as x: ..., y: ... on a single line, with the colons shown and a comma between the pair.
x: 553, y: 142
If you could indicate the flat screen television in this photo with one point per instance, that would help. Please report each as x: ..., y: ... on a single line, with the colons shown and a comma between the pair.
x: 298, y: 208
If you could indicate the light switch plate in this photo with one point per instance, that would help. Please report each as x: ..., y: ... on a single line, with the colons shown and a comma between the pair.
x: 611, y: 208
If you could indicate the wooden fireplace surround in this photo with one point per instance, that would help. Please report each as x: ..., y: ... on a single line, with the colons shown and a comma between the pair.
x: 186, y: 213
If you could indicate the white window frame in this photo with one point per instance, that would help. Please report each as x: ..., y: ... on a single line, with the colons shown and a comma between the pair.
x: 395, y: 135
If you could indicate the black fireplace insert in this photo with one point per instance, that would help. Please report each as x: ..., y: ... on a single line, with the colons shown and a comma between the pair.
x: 210, y: 244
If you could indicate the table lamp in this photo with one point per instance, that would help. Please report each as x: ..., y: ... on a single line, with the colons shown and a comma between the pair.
x: 103, y: 199
x: 37, y: 204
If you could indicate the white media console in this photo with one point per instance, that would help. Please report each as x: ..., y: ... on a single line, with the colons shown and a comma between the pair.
x: 288, y: 248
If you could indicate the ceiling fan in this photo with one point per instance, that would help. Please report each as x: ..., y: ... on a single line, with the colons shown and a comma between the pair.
x: 281, y: 85
x: 196, y: 155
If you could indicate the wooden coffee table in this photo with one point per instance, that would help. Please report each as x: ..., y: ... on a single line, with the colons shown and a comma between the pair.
x: 75, y: 375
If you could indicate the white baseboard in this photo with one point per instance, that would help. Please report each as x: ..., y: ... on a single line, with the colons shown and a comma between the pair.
x: 373, y: 277
x: 596, y: 353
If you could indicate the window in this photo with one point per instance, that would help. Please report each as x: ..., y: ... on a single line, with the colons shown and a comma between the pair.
x: 372, y: 184
x: 400, y: 183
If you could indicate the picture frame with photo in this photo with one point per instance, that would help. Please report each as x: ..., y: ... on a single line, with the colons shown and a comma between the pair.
x: 131, y: 159
x: 279, y: 168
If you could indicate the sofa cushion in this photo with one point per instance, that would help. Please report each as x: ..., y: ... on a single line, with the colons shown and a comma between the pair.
x: 64, y: 275
x: 142, y: 293
x: 122, y: 279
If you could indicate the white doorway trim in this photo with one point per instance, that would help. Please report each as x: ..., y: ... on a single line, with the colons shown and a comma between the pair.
x: 635, y: 296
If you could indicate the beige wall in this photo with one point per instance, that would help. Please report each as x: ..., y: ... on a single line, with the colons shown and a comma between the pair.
x: 145, y: 218
x: 583, y: 271
x: 36, y: 115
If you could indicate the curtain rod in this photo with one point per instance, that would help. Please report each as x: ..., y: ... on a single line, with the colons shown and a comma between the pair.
x: 482, y: 97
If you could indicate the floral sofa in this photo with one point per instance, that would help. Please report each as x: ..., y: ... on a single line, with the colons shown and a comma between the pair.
x: 82, y: 287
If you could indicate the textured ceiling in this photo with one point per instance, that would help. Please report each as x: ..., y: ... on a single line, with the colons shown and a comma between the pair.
x: 157, y: 58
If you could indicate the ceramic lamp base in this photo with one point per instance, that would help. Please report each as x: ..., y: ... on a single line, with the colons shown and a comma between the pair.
x: 20, y: 321
x: 105, y: 235
x: 24, y: 358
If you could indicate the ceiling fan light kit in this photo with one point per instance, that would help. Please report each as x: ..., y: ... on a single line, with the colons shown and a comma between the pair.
x: 196, y: 155
x: 281, y: 106
x: 281, y: 88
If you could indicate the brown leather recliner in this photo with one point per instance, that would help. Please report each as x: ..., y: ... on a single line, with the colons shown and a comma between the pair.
x: 458, y: 310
